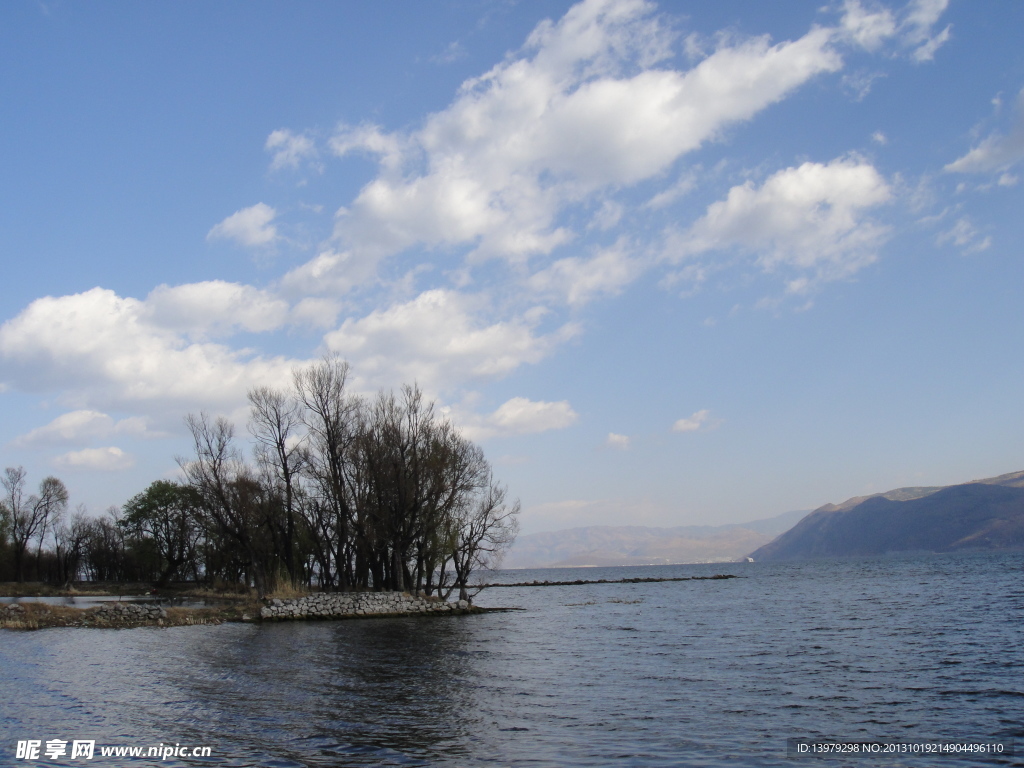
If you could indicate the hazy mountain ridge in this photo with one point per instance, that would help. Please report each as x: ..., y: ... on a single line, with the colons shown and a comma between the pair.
x: 981, y: 515
x: 1011, y: 479
x: 603, y: 545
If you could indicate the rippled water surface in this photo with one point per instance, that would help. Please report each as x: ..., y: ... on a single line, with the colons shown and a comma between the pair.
x: 692, y: 673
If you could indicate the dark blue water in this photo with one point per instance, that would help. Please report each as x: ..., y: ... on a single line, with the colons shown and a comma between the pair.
x: 693, y: 673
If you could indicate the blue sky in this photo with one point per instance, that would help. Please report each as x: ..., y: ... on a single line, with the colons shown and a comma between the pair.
x: 669, y: 264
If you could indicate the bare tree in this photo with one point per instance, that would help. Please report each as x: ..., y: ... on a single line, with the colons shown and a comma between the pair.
x: 6, y: 550
x: 454, y: 471
x: 49, y: 506
x: 331, y: 418
x: 394, y: 447
x: 347, y: 492
x: 239, y: 505
x: 104, y: 553
x: 481, y: 533
x: 274, y: 422
x: 5, y: 532
x: 69, y: 540
x: 429, y: 496
x: 30, y: 517
x: 20, y: 525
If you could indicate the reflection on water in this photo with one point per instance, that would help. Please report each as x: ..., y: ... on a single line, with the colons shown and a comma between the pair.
x: 708, y: 673
x: 378, y: 688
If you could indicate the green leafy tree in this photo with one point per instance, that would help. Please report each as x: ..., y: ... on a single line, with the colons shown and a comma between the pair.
x: 169, y: 515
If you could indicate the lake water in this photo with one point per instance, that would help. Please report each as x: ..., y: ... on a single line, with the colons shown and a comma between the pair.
x: 692, y: 673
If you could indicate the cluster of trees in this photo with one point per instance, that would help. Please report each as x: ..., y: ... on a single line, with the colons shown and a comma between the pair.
x: 340, y: 492
x: 25, y: 520
x: 40, y: 541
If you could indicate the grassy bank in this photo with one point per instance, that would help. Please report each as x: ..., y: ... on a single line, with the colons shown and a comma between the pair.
x: 132, y: 589
x: 39, y: 616
x: 223, y: 606
x: 226, y: 605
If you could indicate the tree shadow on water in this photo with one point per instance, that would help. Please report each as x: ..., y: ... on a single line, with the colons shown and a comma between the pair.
x: 374, y: 692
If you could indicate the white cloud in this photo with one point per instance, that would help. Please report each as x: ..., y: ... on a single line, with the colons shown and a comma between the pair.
x: 879, y: 138
x: 684, y: 186
x: 521, y: 416
x: 250, y: 226
x: 871, y: 24
x: 861, y: 83
x: 607, y: 216
x: 315, y: 312
x: 619, y: 442
x: 591, y: 104
x: 368, y: 138
x: 810, y: 218
x: 289, y: 149
x: 518, y: 416
x: 441, y: 338
x: 105, y: 350
x: 579, y: 109
x: 81, y: 426
x: 215, y: 308
x: 69, y: 427
x: 920, y: 16
x: 330, y: 272
x: 964, y: 235
x: 998, y: 151
x: 110, y: 459
x: 100, y: 351
x: 452, y: 53
x: 692, y: 423
x: 926, y: 51
x: 868, y: 27
x: 577, y: 281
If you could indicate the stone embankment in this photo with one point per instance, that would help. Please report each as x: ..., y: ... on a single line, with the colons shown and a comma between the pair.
x: 37, y: 616
x: 11, y: 611
x: 129, y: 612
x: 124, y: 615
x: 340, y: 605
x: 108, y: 611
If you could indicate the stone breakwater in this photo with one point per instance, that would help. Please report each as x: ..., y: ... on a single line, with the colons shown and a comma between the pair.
x: 636, y: 580
x: 111, y: 612
x: 123, y: 615
x: 37, y: 616
x: 12, y: 611
x: 339, y: 605
x: 129, y: 612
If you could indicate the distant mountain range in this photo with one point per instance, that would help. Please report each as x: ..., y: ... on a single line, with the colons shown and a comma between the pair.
x: 604, y: 545
x: 982, y: 515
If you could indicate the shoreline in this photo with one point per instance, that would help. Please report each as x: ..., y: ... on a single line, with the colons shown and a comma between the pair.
x: 35, y: 589
x: 234, y: 607
x: 318, y: 606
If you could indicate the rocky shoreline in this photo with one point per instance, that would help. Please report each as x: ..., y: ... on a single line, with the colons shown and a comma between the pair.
x: 342, y: 605
x: 30, y: 616
x: 318, y: 606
